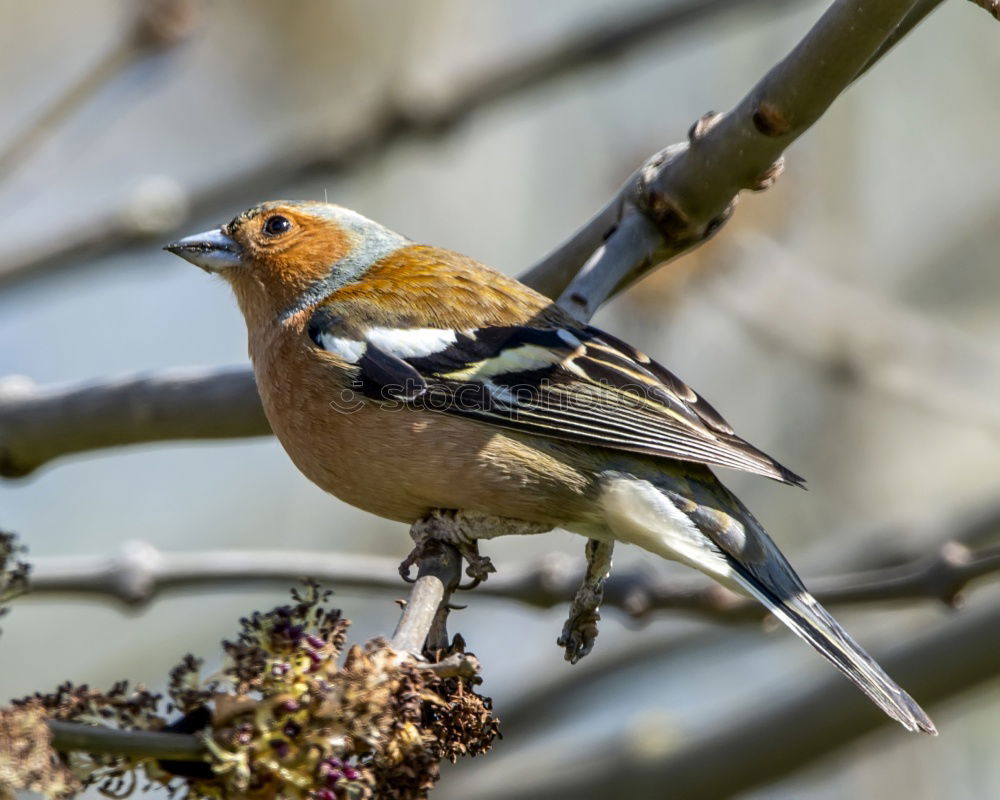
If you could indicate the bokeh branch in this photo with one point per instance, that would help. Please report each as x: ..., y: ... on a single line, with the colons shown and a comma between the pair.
x: 156, y: 25
x: 798, y: 727
x: 39, y: 424
x: 141, y: 572
x: 857, y: 336
x: 404, y: 115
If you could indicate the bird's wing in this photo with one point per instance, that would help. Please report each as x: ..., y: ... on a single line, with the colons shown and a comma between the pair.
x: 576, y: 384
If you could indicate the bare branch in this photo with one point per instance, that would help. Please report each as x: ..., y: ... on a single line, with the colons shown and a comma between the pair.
x: 687, y: 191
x: 67, y: 736
x: 141, y: 572
x: 426, y: 610
x: 920, y: 10
x: 157, y: 24
x: 39, y: 424
x: 858, y: 336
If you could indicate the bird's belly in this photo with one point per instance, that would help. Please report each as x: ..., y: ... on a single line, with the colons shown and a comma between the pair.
x: 401, y: 463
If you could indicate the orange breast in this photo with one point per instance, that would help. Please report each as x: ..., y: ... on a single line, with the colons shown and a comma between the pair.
x: 400, y: 463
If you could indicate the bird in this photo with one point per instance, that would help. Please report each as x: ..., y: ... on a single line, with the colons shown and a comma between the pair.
x: 405, y: 378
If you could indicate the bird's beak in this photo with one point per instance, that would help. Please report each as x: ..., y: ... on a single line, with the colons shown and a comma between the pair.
x: 213, y: 250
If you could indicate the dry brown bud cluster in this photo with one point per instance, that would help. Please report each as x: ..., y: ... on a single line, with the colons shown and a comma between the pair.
x: 282, y: 719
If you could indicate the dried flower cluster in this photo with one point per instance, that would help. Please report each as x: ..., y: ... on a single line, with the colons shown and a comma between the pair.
x: 119, y: 707
x: 281, y: 720
x: 26, y: 759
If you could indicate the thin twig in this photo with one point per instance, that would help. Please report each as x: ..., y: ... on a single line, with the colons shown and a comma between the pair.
x: 920, y: 11
x: 158, y: 24
x: 139, y: 572
x: 69, y: 736
x: 427, y: 606
x: 857, y: 336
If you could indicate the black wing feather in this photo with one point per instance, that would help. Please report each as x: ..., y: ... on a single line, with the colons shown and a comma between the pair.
x: 574, y: 384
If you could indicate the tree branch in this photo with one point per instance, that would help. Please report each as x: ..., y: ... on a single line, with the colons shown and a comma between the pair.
x: 141, y: 572
x: 39, y: 424
x: 426, y: 610
x: 78, y: 736
x: 687, y: 191
x: 157, y: 25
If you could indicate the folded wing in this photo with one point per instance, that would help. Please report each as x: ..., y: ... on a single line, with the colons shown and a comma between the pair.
x: 575, y: 384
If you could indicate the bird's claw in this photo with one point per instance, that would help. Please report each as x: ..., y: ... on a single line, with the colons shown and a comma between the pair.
x: 579, y: 634
x: 451, y: 528
x: 479, y: 567
x: 407, y: 563
x: 580, y: 631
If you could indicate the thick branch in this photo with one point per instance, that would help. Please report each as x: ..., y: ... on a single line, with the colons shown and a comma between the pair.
x: 687, y: 191
x: 39, y: 424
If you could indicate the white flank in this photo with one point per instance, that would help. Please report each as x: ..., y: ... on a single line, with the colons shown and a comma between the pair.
x: 350, y: 350
x: 638, y: 513
x: 411, y: 342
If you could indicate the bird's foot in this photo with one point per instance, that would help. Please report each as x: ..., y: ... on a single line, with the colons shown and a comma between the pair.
x: 463, y: 530
x: 479, y: 567
x: 580, y: 631
x: 579, y: 634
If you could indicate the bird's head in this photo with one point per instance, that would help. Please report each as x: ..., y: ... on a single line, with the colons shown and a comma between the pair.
x: 282, y: 257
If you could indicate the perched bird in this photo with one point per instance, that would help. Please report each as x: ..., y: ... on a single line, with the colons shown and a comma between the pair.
x: 405, y: 378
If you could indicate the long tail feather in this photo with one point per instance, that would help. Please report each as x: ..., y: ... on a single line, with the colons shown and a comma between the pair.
x: 708, y: 528
x: 814, y: 624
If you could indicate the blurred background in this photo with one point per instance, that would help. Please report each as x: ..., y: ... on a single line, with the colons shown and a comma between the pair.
x: 846, y: 321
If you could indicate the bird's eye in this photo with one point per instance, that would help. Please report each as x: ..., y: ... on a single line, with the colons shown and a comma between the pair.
x: 275, y: 225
